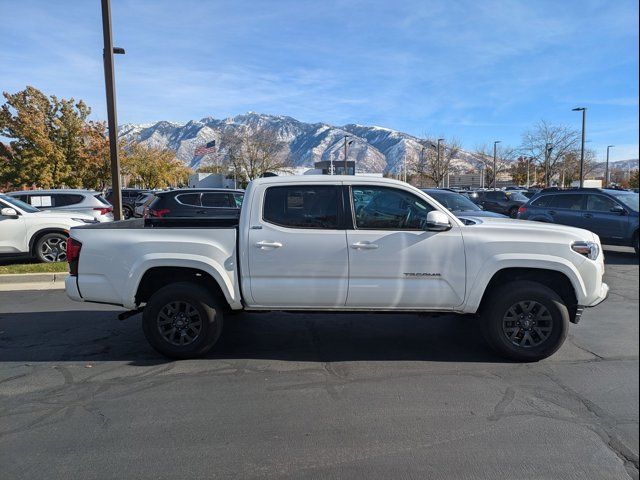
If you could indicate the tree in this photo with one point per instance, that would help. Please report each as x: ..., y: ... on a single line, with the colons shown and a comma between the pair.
x: 633, y: 181
x: 561, y: 141
x: 153, y: 167
x: 252, y: 153
x: 432, y: 166
x: 47, y: 138
x: 521, y: 171
x: 505, y: 155
x: 569, y: 166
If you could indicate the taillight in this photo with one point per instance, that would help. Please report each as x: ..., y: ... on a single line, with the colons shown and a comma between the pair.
x: 73, y: 255
x: 103, y: 210
x: 158, y: 213
x: 522, y: 210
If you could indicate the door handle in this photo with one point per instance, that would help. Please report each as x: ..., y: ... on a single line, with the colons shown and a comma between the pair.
x: 265, y: 244
x: 552, y: 212
x: 587, y: 215
x: 364, y: 246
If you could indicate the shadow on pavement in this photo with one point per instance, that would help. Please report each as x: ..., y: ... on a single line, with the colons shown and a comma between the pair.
x: 620, y: 258
x: 91, y: 336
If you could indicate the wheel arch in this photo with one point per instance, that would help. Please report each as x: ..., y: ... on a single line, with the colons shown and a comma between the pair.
x: 40, y: 233
x: 554, y: 279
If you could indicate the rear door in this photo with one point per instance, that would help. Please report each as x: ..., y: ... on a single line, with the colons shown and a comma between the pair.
x: 218, y: 204
x: 297, y: 247
x: 608, y: 225
x: 393, y: 261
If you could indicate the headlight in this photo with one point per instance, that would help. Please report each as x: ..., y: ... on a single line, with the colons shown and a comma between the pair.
x: 591, y: 250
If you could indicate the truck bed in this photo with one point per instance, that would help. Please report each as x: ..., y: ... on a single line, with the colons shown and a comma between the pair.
x: 177, y: 222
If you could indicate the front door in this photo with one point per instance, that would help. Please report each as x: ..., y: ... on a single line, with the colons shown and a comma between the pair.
x: 608, y: 225
x: 13, y: 233
x: 297, y: 247
x: 393, y: 261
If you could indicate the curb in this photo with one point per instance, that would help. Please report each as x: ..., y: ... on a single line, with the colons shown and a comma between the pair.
x: 26, y: 281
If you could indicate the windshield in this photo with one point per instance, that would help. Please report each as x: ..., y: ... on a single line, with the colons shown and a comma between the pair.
x: 18, y: 203
x: 628, y: 198
x: 455, y: 202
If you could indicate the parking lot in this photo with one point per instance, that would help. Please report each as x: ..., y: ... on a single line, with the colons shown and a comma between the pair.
x: 82, y: 395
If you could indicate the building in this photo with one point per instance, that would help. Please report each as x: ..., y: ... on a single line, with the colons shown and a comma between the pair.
x: 210, y: 180
x: 338, y: 167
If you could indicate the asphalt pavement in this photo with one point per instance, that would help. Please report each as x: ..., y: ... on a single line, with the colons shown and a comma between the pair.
x: 82, y: 396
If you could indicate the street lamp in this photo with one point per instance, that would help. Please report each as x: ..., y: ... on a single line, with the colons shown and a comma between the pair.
x: 440, y: 140
x: 345, y: 153
x: 584, y: 120
x: 547, y: 154
x: 606, y: 168
x: 112, y: 120
x: 495, y: 163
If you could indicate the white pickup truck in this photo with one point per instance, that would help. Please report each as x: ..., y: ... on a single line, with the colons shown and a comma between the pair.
x: 340, y: 243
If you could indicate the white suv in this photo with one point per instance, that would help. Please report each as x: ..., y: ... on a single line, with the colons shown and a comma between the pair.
x: 70, y: 200
x: 25, y: 230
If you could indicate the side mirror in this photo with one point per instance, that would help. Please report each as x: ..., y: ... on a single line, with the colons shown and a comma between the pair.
x: 8, y: 212
x: 437, y: 221
x: 618, y: 209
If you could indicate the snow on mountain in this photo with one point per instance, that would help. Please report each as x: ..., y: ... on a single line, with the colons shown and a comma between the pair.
x: 375, y: 149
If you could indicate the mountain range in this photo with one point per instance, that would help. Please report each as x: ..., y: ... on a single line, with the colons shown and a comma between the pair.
x: 375, y: 149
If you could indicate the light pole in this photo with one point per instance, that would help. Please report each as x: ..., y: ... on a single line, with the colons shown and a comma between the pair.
x: 440, y: 140
x: 547, y: 154
x: 495, y: 163
x: 112, y: 120
x: 606, y: 168
x: 584, y: 121
x: 345, y: 172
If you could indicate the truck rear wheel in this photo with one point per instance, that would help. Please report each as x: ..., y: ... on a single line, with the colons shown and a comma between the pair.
x: 525, y: 321
x: 182, y: 320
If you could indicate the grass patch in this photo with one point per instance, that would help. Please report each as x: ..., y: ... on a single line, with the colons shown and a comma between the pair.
x: 56, y: 267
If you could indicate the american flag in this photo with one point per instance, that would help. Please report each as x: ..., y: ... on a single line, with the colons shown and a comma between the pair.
x: 205, y: 149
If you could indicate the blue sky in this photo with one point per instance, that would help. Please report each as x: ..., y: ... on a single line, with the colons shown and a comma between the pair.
x: 475, y: 70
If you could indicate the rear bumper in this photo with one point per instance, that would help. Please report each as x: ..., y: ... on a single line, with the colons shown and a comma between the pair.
x: 71, y: 287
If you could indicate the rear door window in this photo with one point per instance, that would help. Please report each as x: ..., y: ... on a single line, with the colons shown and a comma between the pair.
x: 572, y: 201
x: 308, y: 206
x: 217, y: 200
x: 192, y: 199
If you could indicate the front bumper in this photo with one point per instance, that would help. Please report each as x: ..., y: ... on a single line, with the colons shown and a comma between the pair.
x: 602, y: 296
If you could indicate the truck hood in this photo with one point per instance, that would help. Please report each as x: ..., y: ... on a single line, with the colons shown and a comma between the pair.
x: 509, y: 225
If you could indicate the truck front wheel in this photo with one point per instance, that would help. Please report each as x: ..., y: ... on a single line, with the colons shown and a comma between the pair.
x: 525, y: 321
x: 182, y: 320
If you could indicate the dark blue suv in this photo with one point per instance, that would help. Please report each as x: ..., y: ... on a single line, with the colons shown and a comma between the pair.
x: 611, y: 214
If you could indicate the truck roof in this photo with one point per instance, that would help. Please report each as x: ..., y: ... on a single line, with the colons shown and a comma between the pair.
x: 328, y: 179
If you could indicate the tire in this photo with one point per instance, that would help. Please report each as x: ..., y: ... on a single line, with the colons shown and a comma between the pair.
x: 513, y: 212
x: 127, y: 213
x: 182, y: 307
x: 521, y: 335
x: 51, y: 247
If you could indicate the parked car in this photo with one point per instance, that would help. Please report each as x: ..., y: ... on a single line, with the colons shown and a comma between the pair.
x: 498, y: 201
x: 299, y: 245
x: 141, y: 203
x: 129, y: 196
x: 25, y: 230
x: 89, y: 202
x: 459, y: 204
x: 196, y: 202
x: 611, y: 214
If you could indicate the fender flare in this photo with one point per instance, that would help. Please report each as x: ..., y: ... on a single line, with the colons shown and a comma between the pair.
x: 220, y: 273
x: 495, y: 264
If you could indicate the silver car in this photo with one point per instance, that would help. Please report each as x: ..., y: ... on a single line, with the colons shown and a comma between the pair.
x: 88, y: 202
